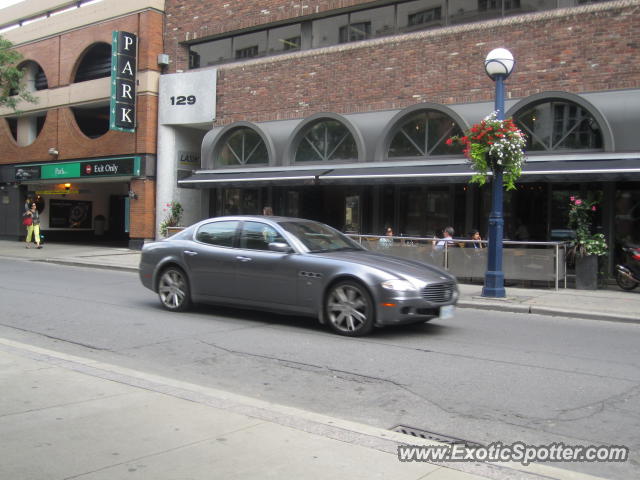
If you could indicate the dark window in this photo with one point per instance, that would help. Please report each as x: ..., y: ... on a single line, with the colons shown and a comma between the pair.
x: 425, y: 16
x: 41, y: 80
x: 242, y: 146
x: 27, y: 122
x: 284, y: 39
x: 355, y: 32
x: 327, y: 140
x: 484, y: 5
x: 13, y: 126
x: 194, y: 59
x: 96, y: 63
x: 247, y: 52
x: 93, y: 121
x: 292, y: 43
x: 217, y: 233
x: 424, y: 134
x: 559, y: 125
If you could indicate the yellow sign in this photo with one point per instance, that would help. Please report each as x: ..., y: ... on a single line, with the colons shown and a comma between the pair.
x: 57, y: 192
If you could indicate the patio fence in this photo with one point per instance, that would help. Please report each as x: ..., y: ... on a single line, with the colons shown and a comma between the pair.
x: 542, y: 261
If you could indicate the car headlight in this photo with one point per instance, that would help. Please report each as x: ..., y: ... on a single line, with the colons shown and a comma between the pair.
x: 399, y: 286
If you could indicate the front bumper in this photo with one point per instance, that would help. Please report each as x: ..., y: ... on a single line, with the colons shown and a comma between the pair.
x: 397, y: 308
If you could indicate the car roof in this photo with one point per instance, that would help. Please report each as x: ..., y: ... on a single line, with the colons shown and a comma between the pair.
x: 272, y: 218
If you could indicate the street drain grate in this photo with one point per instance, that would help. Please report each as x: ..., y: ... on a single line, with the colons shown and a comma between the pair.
x: 438, y: 437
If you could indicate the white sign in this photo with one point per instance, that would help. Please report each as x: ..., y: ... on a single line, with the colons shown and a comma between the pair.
x: 188, y: 98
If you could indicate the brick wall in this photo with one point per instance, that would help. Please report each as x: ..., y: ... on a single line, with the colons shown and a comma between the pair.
x: 142, y: 213
x: 583, y: 49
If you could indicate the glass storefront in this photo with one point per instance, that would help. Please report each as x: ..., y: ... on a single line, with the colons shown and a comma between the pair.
x: 532, y: 212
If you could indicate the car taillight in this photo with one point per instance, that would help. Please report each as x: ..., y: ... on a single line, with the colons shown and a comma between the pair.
x: 635, y: 254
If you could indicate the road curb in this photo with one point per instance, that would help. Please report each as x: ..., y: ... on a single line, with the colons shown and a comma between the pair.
x: 548, y: 311
x: 73, y: 263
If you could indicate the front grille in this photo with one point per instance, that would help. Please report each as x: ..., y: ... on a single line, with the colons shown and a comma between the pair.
x: 439, y: 292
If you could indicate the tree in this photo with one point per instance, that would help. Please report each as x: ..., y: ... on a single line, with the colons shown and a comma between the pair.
x: 12, y: 89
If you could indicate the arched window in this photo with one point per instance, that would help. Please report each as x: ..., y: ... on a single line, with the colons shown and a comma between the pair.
x: 555, y: 125
x: 93, y: 119
x: 423, y: 134
x: 242, y: 146
x: 34, y: 76
x: 326, y: 140
x: 26, y: 128
x: 96, y: 63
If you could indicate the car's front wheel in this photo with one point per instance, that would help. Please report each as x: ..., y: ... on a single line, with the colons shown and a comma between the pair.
x: 349, y: 309
x: 173, y: 290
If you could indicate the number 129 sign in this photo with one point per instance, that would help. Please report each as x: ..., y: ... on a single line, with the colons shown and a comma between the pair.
x: 187, y: 98
x: 183, y: 100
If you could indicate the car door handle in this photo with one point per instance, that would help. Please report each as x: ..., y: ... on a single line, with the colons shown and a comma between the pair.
x: 243, y: 259
x: 191, y: 253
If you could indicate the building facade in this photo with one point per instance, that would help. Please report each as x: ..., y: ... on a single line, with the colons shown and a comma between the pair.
x: 90, y: 181
x: 339, y: 111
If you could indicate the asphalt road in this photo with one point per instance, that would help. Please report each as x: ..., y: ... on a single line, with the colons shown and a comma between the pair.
x: 482, y: 376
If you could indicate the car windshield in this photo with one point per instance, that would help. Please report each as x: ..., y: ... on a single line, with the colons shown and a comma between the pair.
x: 320, y: 238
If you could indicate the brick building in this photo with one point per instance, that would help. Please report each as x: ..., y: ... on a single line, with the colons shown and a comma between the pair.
x: 338, y: 111
x: 91, y: 182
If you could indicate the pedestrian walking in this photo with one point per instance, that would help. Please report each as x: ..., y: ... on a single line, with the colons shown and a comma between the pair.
x: 32, y: 222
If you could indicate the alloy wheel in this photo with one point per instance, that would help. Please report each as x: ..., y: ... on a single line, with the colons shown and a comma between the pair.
x: 173, y: 290
x: 349, y: 309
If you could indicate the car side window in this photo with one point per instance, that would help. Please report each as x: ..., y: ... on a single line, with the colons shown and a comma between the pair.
x: 217, y: 233
x: 258, y: 236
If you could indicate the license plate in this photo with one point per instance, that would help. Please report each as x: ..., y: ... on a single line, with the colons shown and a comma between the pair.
x: 447, y: 312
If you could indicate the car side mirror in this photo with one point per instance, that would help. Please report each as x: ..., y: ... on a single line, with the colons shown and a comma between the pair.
x: 280, y: 247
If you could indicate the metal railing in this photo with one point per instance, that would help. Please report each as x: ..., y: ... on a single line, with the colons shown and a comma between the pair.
x: 541, y: 261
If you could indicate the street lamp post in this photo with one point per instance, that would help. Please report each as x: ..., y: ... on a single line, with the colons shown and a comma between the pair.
x: 498, y: 65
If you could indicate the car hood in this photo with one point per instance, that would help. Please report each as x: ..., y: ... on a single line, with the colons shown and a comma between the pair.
x: 395, y: 266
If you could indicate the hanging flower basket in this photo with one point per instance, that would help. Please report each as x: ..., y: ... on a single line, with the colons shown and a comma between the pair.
x: 494, y: 144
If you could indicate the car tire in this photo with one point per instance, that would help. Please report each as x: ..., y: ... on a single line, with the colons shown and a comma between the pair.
x: 173, y: 290
x: 624, y: 282
x: 349, y: 310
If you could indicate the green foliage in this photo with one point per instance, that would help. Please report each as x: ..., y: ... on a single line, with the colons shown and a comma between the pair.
x: 492, y: 144
x: 173, y: 217
x: 580, y: 219
x: 12, y: 90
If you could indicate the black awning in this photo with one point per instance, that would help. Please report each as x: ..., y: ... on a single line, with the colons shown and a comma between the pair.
x: 389, y: 173
x: 582, y: 170
x: 207, y: 179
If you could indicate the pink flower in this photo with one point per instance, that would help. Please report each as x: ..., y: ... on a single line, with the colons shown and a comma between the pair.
x: 578, y: 202
x: 572, y: 198
x: 593, y: 209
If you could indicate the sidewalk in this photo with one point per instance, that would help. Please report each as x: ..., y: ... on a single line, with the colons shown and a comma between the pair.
x: 67, y: 417
x: 611, y: 304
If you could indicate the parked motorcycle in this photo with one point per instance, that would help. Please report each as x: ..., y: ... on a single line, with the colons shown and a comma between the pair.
x: 628, y: 274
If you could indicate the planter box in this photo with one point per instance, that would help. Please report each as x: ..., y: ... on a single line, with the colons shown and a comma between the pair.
x: 174, y: 230
x: 587, y: 272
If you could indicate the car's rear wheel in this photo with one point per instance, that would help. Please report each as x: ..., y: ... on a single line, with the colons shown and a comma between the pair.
x: 349, y: 309
x: 173, y: 290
